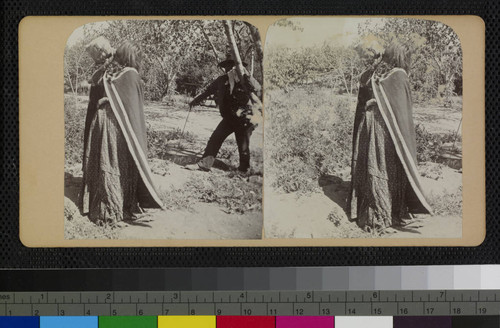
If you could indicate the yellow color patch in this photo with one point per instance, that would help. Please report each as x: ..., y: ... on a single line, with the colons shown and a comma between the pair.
x: 207, y: 321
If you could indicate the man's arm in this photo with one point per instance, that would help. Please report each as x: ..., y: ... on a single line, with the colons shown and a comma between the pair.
x: 210, y: 90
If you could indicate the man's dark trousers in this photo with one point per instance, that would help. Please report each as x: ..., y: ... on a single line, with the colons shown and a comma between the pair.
x: 242, y: 134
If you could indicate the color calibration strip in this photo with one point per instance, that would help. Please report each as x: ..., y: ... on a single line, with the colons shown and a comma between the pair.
x: 252, y: 303
x: 250, y: 322
x: 289, y: 278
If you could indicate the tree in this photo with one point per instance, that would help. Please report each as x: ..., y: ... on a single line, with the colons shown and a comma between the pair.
x: 437, y: 54
x: 178, y: 55
x: 77, y: 65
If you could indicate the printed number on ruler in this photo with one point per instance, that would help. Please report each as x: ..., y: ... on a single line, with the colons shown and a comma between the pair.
x: 274, y: 303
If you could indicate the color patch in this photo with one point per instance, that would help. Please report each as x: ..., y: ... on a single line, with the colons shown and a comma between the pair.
x: 335, y: 278
x: 282, y: 278
x: 361, y: 278
x: 309, y: 278
x: 19, y: 322
x: 305, y: 322
x: 467, y: 277
x: 128, y: 322
x: 419, y: 322
x: 489, y: 276
x: 246, y: 322
x: 65, y: 322
x: 488, y: 321
x: 186, y: 321
x: 414, y: 277
x: 440, y: 277
x: 388, y: 278
x: 360, y: 322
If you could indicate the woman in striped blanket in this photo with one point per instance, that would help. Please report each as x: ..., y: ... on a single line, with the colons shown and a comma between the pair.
x: 385, y: 187
x: 117, y: 181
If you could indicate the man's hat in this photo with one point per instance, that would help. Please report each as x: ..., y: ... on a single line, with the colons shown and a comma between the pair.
x: 229, y: 62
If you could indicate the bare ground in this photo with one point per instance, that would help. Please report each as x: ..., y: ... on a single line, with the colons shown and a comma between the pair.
x: 322, y: 214
x: 438, y: 119
x: 185, y: 216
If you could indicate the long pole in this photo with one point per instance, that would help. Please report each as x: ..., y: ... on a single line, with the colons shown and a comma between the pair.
x: 234, y: 49
x: 184, y: 127
x: 239, y: 65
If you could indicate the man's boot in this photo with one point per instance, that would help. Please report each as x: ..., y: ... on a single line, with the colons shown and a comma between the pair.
x: 205, y: 164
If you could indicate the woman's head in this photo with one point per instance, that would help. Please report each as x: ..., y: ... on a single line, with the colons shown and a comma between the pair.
x: 369, y: 49
x: 397, y: 54
x: 100, y: 49
x: 129, y: 55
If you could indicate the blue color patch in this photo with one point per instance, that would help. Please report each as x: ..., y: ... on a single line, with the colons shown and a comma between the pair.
x: 19, y: 322
x: 65, y: 322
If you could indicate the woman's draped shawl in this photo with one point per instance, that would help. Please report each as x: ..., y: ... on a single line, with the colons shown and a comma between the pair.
x: 393, y: 97
x: 126, y: 98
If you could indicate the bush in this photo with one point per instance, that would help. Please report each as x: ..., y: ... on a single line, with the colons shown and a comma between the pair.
x: 449, y: 203
x: 234, y: 194
x: 75, y: 111
x: 158, y: 141
x: 430, y: 145
x: 308, y: 134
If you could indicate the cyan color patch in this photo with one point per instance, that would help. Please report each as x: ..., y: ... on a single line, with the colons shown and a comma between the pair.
x: 65, y: 322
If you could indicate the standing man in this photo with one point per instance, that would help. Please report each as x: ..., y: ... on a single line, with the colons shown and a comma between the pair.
x: 237, y: 101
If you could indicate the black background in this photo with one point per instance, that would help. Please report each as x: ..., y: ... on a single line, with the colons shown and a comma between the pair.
x: 14, y: 255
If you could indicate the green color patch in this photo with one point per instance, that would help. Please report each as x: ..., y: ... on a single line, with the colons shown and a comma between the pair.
x: 128, y: 322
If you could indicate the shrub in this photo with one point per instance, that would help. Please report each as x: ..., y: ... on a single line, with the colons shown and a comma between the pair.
x: 177, y: 198
x: 430, y: 145
x: 449, y: 203
x: 158, y: 141
x: 234, y: 194
x: 308, y: 134
x: 75, y: 110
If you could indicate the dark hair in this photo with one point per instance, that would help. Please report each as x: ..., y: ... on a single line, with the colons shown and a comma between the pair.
x: 129, y: 54
x: 398, y: 55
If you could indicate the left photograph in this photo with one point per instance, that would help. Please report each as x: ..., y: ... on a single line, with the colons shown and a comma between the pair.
x: 163, y: 130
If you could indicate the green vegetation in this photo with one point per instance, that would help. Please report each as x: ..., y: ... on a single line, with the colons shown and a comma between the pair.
x: 308, y: 134
x: 179, y: 56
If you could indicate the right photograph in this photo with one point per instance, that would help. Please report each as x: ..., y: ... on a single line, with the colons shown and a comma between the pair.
x: 363, y: 129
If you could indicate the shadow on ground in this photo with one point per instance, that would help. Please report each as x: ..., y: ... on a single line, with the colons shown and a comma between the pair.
x: 72, y: 185
x: 185, y: 157
x: 335, y: 188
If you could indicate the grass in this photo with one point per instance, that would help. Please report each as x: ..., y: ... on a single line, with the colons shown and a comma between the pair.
x: 75, y: 110
x: 449, y: 203
x: 308, y: 134
x: 79, y: 227
x: 177, y: 198
x: 232, y: 192
x: 431, y: 145
x: 160, y: 142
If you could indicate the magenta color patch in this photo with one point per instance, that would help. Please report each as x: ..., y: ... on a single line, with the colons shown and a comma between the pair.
x: 305, y: 322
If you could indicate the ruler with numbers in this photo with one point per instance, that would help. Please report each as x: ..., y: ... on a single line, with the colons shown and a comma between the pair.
x: 274, y: 303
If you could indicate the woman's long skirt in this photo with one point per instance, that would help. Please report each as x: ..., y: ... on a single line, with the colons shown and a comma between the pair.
x: 110, y: 174
x: 380, y: 185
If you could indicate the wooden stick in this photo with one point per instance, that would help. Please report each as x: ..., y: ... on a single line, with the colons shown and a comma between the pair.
x: 234, y: 49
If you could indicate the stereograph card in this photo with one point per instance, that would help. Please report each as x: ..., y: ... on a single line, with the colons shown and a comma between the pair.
x: 252, y: 131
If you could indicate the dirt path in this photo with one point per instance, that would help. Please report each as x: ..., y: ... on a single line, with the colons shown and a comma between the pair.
x: 437, y: 119
x: 322, y: 214
x: 200, y: 220
x: 202, y: 121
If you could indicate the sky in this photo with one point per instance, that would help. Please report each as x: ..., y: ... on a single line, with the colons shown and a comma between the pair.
x: 316, y: 31
x: 78, y: 32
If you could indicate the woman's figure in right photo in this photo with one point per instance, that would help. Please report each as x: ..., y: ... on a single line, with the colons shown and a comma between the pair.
x: 385, y: 188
